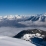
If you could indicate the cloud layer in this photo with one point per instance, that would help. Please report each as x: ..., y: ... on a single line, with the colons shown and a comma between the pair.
x: 23, y: 21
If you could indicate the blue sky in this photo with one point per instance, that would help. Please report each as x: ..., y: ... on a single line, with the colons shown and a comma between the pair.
x: 22, y: 7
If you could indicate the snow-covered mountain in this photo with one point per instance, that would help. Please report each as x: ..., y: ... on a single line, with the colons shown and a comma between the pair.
x: 24, y: 17
x: 32, y: 32
x: 35, y: 36
x: 12, y: 17
x: 37, y: 18
x: 30, y: 37
x: 23, y: 21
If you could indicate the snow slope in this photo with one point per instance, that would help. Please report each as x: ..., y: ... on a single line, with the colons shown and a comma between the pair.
x: 8, y: 41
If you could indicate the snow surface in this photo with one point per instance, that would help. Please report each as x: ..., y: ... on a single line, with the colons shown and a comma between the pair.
x: 27, y: 37
x: 8, y: 41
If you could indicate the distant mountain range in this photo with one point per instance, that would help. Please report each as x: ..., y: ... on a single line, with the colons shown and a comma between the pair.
x: 23, y: 21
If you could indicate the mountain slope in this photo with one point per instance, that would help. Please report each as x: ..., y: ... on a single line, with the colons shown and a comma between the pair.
x: 36, y: 36
x: 33, y: 32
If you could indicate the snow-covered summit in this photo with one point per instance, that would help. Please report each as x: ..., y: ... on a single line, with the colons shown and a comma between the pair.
x: 23, y: 21
x: 13, y: 17
x: 10, y: 17
x: 31, y: 17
